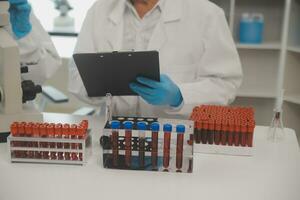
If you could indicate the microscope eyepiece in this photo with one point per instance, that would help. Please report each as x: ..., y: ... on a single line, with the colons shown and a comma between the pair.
x: 24, y: 70
x: 30, y: 90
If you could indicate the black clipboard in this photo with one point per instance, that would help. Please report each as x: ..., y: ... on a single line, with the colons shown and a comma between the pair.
x: 104, y: 73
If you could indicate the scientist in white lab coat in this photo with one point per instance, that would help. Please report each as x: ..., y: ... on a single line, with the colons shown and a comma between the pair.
x: 198, y: 59
x: 35, y: 45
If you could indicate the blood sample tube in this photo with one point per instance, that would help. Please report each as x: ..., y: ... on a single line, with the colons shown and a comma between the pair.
x: 210, y: 132
x: 204, y: 132
x: 22, y: 133
x: 74, y: 145
x: 190, y: 169
x: 224, y: 132
x: 128, y: 142
x: 237, y: 132
x: 81, y: 130
x: 84, y: 124
x: 180, y: 129
x: 36, y: 130
x: 231, y: 132
x: 244, y: 133
x: 217, y: 138
x: 251, y: 127
x: 43, y: 134
x: 167, y: 145
x: 115, y: 126
x: 36, y: 134
x: 28, y: 133
x: 21, y: 130
x: 142, y: 127
x: 51, y: 134
x: 198, y: 128
x: 66, y: 136
x: 59, y: 145
x: 14, y: 133
x: 52, y: 145
x: 154, y: 152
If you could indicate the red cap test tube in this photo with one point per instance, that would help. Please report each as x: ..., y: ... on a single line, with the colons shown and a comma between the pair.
x: 224, y: 132
x: 251, y: 127
x: 217, y: 138
x: 244, y: 133
x: 210, y: 132
x: 43, y: 134
x: 231, y: 132
x: 204, y: 135
x: 74, y: 145
x: 66, y: 136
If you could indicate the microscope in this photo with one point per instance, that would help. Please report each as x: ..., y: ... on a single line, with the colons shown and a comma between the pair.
x: 14, y: 92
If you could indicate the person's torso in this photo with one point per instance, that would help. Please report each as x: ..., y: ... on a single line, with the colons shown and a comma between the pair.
x: 179, y: 40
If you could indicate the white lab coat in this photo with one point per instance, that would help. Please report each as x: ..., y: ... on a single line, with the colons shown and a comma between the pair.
x: 196, y: 50
x: 37, y: 47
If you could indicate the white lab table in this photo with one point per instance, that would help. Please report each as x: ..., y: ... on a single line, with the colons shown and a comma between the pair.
x: 272, y: 174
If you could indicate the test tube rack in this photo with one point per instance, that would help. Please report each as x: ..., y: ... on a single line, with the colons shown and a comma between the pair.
x: 224, y: 130
x: 124, y: 152
x: 50, y: 143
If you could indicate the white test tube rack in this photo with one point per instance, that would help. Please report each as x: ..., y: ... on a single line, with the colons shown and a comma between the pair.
x: 83, y: 152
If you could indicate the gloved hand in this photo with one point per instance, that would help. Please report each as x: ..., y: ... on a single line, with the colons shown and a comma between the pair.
x: 162, y: 93
x: 20, y: 17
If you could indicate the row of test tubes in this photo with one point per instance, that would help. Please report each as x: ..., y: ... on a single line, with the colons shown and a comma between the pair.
x: 220, y: 125
x: 48, y: 141
x: 142, y: 127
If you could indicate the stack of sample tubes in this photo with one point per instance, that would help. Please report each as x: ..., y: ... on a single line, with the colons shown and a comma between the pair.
x: 146, y: 144
x: 227, y: 126
x: 48, y: 142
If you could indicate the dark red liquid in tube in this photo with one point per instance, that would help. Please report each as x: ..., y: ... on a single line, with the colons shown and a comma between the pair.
x: 231, y: 132
x: 217, y: 137
x: 43, y: 134
x: 67, y: 145
x: 58, y: 134
x: 167, y: 145
x: 237, y: 134
x: 115, y: 125
x: 244, y: 134
x: 251, y: 127
x: 128, y: 143
x: 224, y: 132
x: 154, y: 152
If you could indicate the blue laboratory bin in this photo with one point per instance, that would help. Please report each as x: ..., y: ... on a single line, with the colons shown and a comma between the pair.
x: 251, y: 31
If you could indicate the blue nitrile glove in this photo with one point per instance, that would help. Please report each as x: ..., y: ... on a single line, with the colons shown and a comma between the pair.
x: 162, y: 93
x: 20, y: 17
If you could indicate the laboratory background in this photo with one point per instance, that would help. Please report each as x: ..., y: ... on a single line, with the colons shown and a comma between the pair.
x: 265, y: 58
x: 83, y: 151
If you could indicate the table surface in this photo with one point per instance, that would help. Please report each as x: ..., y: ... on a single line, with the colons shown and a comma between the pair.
x: 272, y: 173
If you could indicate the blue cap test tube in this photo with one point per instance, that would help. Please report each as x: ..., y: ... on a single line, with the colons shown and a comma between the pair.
x: 154, y: 152
x: 167, y: 145
x: 180, y: 129
x: 115, y: 126
x: 142, y: 127
x: 128, y: 125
